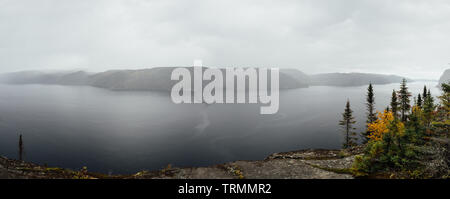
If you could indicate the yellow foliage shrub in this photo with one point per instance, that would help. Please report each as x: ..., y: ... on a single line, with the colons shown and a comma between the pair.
x: 381, y: 126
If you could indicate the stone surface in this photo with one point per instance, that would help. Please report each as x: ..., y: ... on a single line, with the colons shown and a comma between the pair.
x: 284, y: 169
x: 305, y: 164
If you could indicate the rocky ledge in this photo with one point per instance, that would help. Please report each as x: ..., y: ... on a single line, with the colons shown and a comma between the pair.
x: 303, y: 164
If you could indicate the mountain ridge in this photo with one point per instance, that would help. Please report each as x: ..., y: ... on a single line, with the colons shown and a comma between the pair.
x: 158, y: 79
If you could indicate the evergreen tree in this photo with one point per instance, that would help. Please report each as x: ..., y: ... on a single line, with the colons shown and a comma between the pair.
x: 20, y: 148
x: 404, y: 101
x: 397, y: 143
x: 424, y: 95
x: 347, y: 123
x: 445, y: 100
x: 394, y: 104
x: 428, y: 109
x: 419, y: 101
x: 371, y: 115
x: 441, y: 122
x: 415, y: 130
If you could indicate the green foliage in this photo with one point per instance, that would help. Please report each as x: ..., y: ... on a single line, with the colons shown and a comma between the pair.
x: 394, y: 104
x: 415, y: 127
x: 371, y: 114
x: 428, y: 109
x: 399, y: 148
x: 393, y: 153
x: 370, y: 161
x: 441, y: 122
x: 370, y: 103
x: 419, y: 101
x: 424, y: 94
x: 404, y: 101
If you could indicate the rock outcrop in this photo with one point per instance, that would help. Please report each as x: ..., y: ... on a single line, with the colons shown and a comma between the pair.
x: 304, y: 164
x: 445, y: 77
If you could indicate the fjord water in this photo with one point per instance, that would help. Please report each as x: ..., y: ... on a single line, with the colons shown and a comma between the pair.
x: 125, y: 132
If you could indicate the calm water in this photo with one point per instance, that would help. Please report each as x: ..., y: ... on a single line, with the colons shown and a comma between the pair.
x: 124, y: 132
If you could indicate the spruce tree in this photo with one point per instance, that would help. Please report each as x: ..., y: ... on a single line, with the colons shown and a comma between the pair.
x: 445, y: 100
x: 371, y: 116
x: 394, y: 104
x: 424, y: 95
x: 441, y: 122
x: 428, y: 108
x: 445, y: 97
x: 20, y: 148
x: 419, y: 101
x: 347, y: 123
x: 404, y: 101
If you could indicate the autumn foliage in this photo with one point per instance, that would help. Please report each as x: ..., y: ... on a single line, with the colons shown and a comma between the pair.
x: 397, y: 143
x: 382, y: 125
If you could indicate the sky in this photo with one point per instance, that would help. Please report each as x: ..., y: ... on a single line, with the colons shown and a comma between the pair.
x: 402, y: 37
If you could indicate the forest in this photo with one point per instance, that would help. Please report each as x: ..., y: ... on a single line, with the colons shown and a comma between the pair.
x: 400, y: 141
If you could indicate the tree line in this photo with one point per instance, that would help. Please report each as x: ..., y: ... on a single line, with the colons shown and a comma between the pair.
x: 395, y: 137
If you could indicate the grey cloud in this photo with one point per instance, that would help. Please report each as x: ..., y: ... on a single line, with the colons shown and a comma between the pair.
x: 401, y: 37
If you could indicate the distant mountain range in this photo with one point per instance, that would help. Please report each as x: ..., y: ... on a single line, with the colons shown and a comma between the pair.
x: 158, y: 79
x: 352, y: 79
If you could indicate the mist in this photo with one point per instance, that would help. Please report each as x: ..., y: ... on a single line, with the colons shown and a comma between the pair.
x: 406, y: 38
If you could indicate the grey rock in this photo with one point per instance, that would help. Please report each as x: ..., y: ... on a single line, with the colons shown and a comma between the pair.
x: 445, y: 77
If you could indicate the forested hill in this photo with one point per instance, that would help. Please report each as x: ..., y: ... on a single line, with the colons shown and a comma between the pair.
x: 154, y: 79
x: 158, y: 79
x: 352, y: 79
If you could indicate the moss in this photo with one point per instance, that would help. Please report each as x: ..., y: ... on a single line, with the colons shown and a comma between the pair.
x: 236, y: 171
x: 335, y: 170
x: 54, y: 169
x: 343, y: 154
x: 141, y: 173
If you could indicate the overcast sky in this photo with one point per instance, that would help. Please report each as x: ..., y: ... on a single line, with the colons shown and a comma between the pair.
x: 404, y: 37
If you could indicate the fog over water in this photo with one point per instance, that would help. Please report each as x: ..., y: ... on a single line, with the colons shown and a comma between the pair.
x: 124, y: 132
x: 131, y: 46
